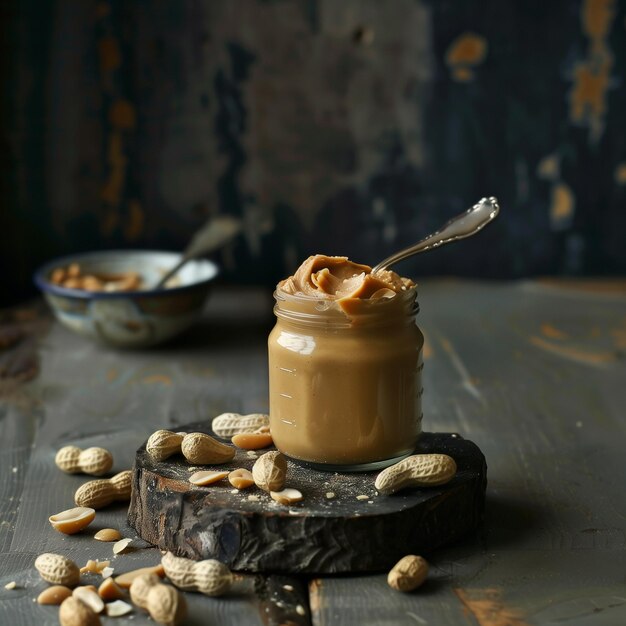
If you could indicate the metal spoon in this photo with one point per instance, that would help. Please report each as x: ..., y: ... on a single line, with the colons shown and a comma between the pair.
x: 214, y: 234
x: 464, y: 225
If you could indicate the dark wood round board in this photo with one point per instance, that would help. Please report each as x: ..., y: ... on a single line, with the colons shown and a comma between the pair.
x: 319, y: 535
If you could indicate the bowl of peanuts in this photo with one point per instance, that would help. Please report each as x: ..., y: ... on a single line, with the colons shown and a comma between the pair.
x: 109, y: 295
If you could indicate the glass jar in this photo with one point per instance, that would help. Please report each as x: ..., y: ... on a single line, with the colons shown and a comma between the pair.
x: 345, y: 391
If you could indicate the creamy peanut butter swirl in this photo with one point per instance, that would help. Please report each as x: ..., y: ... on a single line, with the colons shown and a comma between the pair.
x: 338, y: 278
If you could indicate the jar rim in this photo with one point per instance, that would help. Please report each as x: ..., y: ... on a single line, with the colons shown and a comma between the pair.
x: 335, y: 317
x: 302, y: 297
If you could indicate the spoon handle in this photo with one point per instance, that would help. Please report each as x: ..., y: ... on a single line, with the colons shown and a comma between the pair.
x: 464, y: 225
x: 214, y: 234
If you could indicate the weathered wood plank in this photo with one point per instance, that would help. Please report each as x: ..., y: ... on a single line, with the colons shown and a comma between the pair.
x: 532, y: 373
x: 91, y: 395
x: 549, y: 416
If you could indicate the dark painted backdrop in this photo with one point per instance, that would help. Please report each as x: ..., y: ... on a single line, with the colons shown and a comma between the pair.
x: 337, y: 126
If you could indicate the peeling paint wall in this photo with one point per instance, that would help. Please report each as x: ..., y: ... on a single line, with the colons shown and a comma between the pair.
x: 350, y: 127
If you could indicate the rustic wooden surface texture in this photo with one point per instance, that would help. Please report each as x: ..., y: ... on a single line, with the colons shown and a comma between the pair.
x: 533, y: 372
x: 351, y: 532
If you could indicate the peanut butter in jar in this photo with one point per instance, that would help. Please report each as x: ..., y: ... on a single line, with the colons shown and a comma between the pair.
x: 345, y: 361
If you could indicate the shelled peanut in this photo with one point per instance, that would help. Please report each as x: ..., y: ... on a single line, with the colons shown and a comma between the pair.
x: 73, y: 277
x: 163, y: 602
x: 74, y: 612
x: 270, y: 471
x: 419, y: 470
x: 209, y: 577
x: 94, y: 461
x: 197, y: 448
x: 227, y: 425
x: 202, y: 449
x: 97, y: 494
x: 163, y: 444
x: 408, y: 573
x: 57, y: 569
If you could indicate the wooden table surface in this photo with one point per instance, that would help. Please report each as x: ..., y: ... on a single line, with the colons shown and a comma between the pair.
x: 533, y: 372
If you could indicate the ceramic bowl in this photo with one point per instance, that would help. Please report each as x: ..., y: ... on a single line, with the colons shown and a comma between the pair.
x: 130, y: 319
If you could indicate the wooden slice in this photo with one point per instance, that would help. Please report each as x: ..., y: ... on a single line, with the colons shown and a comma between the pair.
x: 249, y: 531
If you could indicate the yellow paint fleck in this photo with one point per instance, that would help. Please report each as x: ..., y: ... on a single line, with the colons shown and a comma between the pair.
x: 588, y: 95
x: 561, y: 206
x: 592, y: 75
x: 574, y: 354
x: 488, y: 608
x: 549, y: 167
x: 122, y: 115
x: 109, y: 54
x: 427, y: 350
x: 597, y: 18
x: 548, y: 330
x: 620, y: 174
x: 465, y: 53
x: 157, y: 378
x: 135, y: 223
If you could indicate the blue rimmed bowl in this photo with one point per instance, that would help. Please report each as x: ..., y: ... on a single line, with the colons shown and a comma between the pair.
x: 130, y: 319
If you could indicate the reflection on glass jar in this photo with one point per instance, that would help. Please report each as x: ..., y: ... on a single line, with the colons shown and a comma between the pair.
x: 345, y: 392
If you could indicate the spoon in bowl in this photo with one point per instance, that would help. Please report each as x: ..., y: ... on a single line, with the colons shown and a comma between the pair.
x: 464, y: 225
x: 213, y: 235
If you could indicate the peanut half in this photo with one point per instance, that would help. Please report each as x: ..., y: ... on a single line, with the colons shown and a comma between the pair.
x: 228, y: 424
x: 202, y: 449
x: 57, y: 569
x: 108, y: 534
x: 270, y: 470
x: 408, y: 573
x: 110, y: 590
x: 100, y: 493
x: 121, y: 545
x: 72, y: 520
x: 94, y: 461
x: 54, y: 595
x: 241, y: 478
x: 419, y: 470
x: 73, y: 612
x: 203, y: 478
x: 117, y: 608
x: 89, y: 597
x: 252, y: 441
x: 162, y: 444
x: 209, y: 577
x: 286, y: 496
